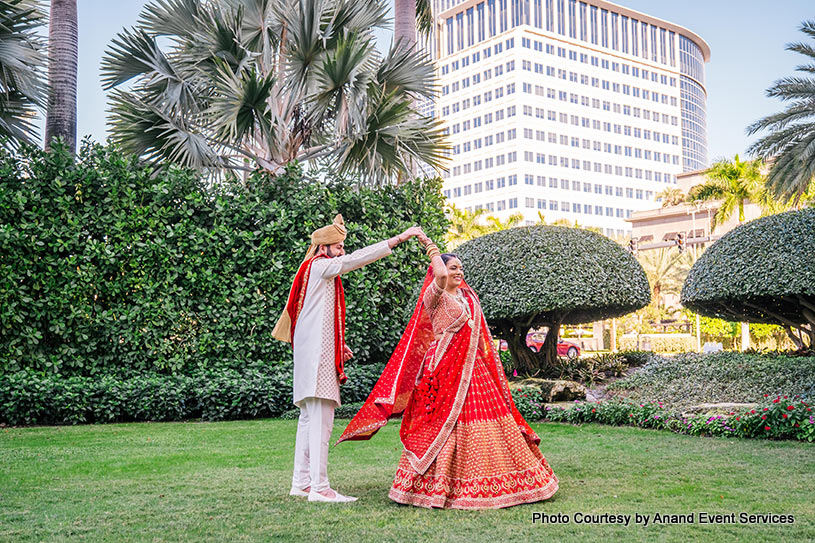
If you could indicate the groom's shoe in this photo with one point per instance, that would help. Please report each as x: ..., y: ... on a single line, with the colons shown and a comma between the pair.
x: 336, y: 498
x: 297, y: 492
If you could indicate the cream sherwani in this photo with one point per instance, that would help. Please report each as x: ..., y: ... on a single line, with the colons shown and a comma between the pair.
x: 315, y: 374
x: 316, y: 386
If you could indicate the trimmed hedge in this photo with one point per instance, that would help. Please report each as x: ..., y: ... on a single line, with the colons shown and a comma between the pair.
x: 108, y: 267
x: 762, y: 271
x: 660, y: 343
x: 28, y: 397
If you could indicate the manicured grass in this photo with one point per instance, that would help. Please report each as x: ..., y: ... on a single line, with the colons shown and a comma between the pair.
x: 229, y: 481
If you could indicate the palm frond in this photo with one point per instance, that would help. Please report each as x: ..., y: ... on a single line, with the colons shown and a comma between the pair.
x: 808, y: 28
x: 22, y: 70
x: 271, y: 81
x: 802, y: 48
x: 17, y: 120
x: 778, y: 121
x: 792, y: 88
x: 424, y: 17
x: 790, y: 142
x: 341, y: 85
x: 171, y: 17
x: 406, y: 69
x: 144, y: 130
x: 241, y: 106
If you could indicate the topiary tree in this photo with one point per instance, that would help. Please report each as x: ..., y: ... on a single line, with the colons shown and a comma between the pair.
x: 763, y: 271
x: 548, y: 276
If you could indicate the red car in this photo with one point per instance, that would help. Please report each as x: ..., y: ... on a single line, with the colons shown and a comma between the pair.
x: 535, y: 342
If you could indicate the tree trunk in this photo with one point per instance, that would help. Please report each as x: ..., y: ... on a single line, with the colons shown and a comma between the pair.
x: 404, y: 22
x: 548, y: 352
x: 63, y: 44
x: 797, y: 341
x: 524, y: 358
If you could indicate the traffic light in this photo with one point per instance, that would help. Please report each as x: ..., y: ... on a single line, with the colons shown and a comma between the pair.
x: 632, y: 246
x: 680, y: 241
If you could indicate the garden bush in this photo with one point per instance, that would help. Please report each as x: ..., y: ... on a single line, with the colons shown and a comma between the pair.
x: 30, y: 397
x: 692, y: 379
x: 591, y: 369
x: 660, y: 343
x: 635, y: 358
x: 111, y: 268
x: 782, y: 417
x: 779, y: 417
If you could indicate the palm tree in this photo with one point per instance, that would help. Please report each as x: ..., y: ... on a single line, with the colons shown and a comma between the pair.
x: 494, y: 224
x: 63, y: 39
x: 733, y: 182
x: 22, y: 81
x: 247, y: 83
x: 410, y: 16
x: 791, y: 139
x: 464, y: 226
x: 671, y: 196
x: 666, y: 271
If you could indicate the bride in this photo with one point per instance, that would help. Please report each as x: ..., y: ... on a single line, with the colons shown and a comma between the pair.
x: 466, y: 446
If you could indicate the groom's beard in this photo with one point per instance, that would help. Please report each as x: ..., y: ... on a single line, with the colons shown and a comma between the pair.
x: 329, y: 252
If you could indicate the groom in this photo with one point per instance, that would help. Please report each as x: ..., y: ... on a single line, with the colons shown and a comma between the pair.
x: 314, y: 323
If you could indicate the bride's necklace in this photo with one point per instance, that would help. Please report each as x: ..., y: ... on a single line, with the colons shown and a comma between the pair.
x: 460, y: 299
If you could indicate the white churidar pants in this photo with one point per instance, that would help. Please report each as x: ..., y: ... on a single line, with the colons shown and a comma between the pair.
x: 311, y: 444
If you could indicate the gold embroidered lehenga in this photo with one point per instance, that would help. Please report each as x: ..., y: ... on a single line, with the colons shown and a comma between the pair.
x: 466, y: 445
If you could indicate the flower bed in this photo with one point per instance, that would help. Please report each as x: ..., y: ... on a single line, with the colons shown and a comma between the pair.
x: 781, y: 417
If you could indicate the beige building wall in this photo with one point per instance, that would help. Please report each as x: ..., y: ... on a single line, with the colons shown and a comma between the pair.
x: 695, y: 220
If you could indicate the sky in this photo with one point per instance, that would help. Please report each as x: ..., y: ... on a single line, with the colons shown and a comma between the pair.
x: 747, y: 39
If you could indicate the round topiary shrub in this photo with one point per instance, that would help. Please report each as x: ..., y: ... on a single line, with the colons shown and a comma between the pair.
x: 548, y: 276
x: 762, y: 271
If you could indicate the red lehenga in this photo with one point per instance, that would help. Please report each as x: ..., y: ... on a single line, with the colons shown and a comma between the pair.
x: 466, y: 446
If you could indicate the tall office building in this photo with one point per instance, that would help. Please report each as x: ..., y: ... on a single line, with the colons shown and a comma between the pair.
x: 582, y: 110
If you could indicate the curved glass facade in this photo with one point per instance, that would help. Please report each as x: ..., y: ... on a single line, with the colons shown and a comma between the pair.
x: 692, y: 97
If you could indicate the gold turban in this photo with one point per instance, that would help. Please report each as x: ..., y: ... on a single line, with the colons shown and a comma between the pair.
x: 327, y: 235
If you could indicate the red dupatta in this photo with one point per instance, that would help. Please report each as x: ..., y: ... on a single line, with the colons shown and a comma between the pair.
x: 427, y: 424
x: 295, y: 303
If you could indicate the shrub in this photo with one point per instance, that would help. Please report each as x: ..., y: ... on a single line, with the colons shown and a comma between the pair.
x: 660, y: 343
x: 590, y: 370
x: 547, y: 276
x: 529, y: 401
x: 691, y: 379
x: 740, y: 278
x: 28, y: 397
x: 506, y: 362
x: 778, y: 418
x: 110, y: 267
x: 635, y: 358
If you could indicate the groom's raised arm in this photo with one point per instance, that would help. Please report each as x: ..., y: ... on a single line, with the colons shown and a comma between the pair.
x: 359, y: 258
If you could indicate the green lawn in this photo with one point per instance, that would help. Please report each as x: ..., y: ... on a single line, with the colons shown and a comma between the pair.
x: 229, y: 481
